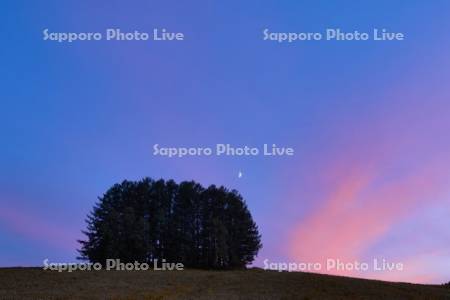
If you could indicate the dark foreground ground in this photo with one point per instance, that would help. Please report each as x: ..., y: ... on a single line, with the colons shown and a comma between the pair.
x: 33, y: 283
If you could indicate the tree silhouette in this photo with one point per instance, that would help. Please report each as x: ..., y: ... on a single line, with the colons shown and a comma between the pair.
x: 147, y: 220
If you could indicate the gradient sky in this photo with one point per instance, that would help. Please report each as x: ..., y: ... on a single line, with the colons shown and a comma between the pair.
x: 370, y: 123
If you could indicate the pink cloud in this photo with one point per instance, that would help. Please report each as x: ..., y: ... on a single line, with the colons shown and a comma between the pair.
x: 360, y: 212
x: 37, y: 228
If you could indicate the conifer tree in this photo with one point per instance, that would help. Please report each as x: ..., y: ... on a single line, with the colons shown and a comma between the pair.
x: 147, y: 220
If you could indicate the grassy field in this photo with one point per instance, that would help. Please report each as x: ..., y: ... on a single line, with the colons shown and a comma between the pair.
x: 34, y: 283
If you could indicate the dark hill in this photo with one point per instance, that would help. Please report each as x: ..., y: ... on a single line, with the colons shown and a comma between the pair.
x: 34, y: 283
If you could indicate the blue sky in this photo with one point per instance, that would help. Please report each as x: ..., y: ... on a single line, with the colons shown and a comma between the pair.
x: 77, y: 118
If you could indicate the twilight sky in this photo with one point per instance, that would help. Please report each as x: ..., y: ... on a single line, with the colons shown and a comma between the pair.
x: 369, y: 122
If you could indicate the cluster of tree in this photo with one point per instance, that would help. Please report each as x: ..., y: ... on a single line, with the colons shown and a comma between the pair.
x: 147, y: 220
